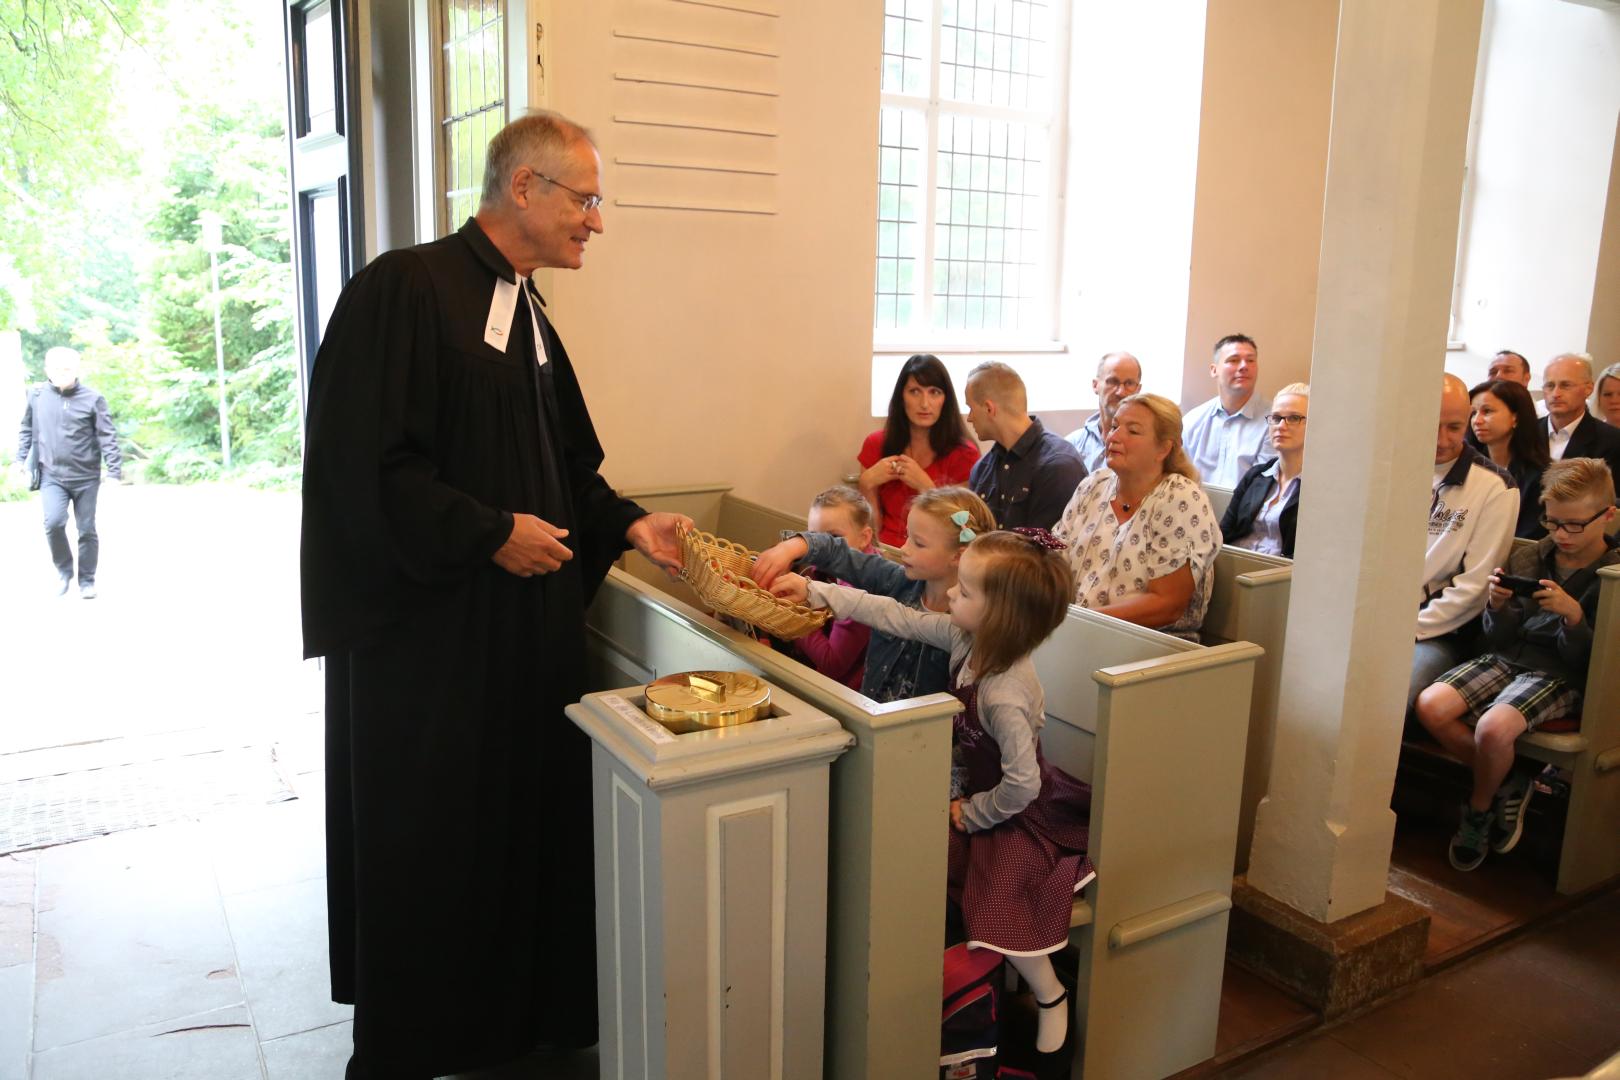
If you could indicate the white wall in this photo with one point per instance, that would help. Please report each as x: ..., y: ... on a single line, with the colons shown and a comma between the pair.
x: 1262, y: 165
x: 726, y: 346
x: 1136, y: 73
x: 1539, y: 183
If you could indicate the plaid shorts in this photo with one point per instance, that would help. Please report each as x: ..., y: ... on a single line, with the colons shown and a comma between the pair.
x: 1490, y: 680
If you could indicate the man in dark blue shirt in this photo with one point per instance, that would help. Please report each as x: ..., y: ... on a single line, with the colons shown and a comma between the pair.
x: 1030, y: 473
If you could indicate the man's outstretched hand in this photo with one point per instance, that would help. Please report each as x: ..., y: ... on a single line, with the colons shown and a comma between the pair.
x: 656, y: 537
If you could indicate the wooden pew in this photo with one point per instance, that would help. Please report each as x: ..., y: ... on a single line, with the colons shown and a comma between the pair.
x: 890, y: 820
x: 1249, y: 602
x: 1591, y: 849
x: 1220, y: 498
x: 1156, y: 725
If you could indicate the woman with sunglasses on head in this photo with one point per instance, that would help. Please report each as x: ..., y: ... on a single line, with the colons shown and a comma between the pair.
x: 923, y: 445
x: 1503, y: 426
x: 1264, y: 509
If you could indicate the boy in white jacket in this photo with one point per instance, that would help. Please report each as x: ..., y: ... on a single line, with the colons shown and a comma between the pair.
x: 1471, y: 521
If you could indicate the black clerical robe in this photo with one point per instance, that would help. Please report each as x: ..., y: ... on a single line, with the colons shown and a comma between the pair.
x: 459, y: 874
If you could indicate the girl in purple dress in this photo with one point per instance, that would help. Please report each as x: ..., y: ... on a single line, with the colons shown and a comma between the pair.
x: 1018, y: 829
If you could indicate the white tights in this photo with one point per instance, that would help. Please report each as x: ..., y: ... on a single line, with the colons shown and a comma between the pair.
x: 1054, y: 1023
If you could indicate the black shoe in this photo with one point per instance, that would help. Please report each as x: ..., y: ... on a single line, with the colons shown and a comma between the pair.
x: 1055, y: 1064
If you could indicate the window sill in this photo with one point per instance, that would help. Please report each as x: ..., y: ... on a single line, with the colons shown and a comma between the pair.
x: 1053, y: 381
x: 880, y: 348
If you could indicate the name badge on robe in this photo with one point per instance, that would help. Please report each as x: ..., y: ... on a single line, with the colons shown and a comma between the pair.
x: 502, y: 306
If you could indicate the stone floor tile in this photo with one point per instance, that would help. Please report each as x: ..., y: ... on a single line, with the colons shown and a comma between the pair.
x: 217, y: 1045
x: 280, y: 936
x: 131, y: 932
x: 321, y: 1054
x: 16, y: 1019
x: 17, y: 908
x: 270, y: 845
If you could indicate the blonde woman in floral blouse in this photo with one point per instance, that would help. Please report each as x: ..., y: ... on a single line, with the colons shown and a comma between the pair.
x: 1141, y: 534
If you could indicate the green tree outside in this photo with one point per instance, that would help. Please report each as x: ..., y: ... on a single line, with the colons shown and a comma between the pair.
x: 121, y: 122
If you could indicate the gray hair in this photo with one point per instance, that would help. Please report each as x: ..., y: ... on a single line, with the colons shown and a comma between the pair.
x: 539, y: 140
x: 1583, y: 359
x: 1121, y: 355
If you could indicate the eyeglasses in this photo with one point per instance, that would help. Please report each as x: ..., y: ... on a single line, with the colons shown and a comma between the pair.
x: 586, y: 202
x: 1122, y: 384
x: 1574, y: 528
x: 1292, y: 419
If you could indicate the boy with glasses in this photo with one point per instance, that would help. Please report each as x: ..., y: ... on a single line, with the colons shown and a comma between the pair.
x: 1540, y: 642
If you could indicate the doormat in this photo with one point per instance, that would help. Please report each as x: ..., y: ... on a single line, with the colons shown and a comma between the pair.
x: 51, y: 810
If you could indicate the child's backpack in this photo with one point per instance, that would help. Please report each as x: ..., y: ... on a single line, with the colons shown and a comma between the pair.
x: 970, y: 1017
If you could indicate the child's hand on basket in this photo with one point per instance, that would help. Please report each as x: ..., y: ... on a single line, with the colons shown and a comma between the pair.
x: 791, y: 587
x: 777, y: 559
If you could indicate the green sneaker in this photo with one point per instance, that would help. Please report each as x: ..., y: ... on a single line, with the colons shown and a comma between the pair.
x: 1507, y: 811
x: 1473, y: 839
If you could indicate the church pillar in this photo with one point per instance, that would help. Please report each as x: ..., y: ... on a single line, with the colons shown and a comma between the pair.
x: 1313, y: 911
x: 1603, y: 335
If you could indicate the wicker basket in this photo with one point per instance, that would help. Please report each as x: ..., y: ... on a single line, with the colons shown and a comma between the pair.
x: 718, y: 571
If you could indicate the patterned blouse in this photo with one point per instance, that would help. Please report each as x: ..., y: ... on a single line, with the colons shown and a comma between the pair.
x: 1174, y: 526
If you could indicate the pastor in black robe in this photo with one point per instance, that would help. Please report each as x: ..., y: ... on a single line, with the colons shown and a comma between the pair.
x: 459, y: 874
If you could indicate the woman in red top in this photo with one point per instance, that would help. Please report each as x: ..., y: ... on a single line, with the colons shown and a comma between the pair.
x: 923, y: 445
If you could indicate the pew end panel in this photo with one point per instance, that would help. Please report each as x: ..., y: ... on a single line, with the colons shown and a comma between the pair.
x: 1590, y: 853
x: 1219, y: 498
x: 1249, y: 602
x: 887, y: 834
x: 1591, y: 848
x: 1165, y: 795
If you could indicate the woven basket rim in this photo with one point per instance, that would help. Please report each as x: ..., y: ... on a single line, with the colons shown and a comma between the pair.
x: 735, y: 593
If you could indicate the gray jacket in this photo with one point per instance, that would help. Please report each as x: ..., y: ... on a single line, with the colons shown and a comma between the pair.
x: 72, y: 432
x: 1523, y: 634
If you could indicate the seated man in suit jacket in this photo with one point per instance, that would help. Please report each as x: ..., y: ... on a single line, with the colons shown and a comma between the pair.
x: 1572, y: 431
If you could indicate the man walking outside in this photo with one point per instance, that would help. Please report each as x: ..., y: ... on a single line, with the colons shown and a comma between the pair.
x: 68, y: 431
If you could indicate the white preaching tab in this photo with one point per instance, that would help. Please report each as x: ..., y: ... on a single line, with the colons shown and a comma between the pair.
x: 502, y: 306
x: 540, y: 356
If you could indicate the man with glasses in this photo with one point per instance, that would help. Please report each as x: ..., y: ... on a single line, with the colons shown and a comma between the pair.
x: 1225, y: 434
x: 1119, y: 375
x: 1572, y: 431
x: 1538, y: 633
x: 455, y: 527
x: 1472, y: 514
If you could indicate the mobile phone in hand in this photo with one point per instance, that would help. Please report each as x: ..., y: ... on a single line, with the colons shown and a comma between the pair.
x: 1519, y: 586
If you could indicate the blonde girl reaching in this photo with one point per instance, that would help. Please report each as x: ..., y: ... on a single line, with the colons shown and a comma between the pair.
x: 1019, y: 831
x: 939, y: 525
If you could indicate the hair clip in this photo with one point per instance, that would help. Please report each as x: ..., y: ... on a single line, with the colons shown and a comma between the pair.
x: 967, y: 534
x: 1041, y: 538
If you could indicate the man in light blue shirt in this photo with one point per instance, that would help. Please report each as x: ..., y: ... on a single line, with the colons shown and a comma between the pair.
x: 1119, y: 375
x: 1225, y: 434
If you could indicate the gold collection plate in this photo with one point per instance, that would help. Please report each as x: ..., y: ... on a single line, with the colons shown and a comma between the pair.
x: 705, y: 700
